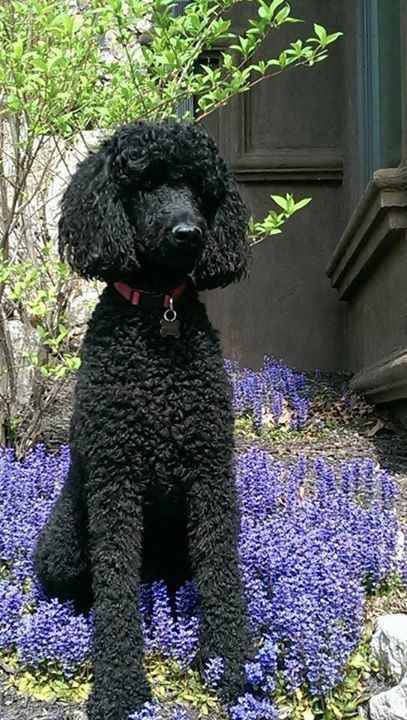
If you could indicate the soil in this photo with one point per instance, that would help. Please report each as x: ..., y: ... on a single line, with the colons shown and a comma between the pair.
x: 22, y: 707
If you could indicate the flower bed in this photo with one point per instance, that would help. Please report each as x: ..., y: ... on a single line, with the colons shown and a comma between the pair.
x: 312, y: 545
x: 275, y: 395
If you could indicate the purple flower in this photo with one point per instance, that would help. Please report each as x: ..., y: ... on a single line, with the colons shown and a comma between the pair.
x: 11, y: 603
x: 269, y: 391
x: 154, y: 711
x: 149, y: 711
x: 53, y: 632
x: 306, y: 563
x: 213, y: 671
x: 249, y: 707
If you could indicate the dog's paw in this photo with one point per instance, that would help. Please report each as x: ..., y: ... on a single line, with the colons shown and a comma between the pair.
x: 62, y: 574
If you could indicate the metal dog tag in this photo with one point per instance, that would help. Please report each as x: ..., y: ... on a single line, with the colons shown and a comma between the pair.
x: 170, y: 322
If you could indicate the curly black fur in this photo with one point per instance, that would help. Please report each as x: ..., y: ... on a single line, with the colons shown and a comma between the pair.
x: 150, y: 493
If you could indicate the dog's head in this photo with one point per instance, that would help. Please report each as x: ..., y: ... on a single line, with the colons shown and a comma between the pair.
x: 156, y: 193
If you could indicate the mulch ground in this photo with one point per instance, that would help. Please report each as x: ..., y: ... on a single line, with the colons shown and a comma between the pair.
x: 16, y: 707
x: 340, y: 431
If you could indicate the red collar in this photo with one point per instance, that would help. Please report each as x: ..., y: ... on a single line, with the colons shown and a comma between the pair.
x: 137, y: 297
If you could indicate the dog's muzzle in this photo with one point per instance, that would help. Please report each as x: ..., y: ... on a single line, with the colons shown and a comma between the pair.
x: 187, y: 234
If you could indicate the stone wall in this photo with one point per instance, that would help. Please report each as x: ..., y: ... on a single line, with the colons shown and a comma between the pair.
x: 369, y: 269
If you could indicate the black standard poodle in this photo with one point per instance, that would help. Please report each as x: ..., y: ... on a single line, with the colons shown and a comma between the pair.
x: 156, y: 214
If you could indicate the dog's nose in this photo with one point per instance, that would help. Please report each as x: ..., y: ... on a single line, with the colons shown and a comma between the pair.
x: 186, y: 233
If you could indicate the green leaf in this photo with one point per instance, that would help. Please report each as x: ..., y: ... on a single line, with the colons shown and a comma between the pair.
x: 320, y: 32
x: 319, y: 58
x: 14, y: 103
x: 302, y: 203
x: 308, y: 714
x: 332, y: 38
x: 68, y: 21
x: 282, y: 59
x: 42, y: 332
x: 116, y: 5
x: 275, y: 5
x: 336, y: 711
x: 18, y: 49
x: 78, y: 21
x: 358, y: 660
x: 282, y: 16
x: 297, y: 46
x: 280, y: 201
x: 227, y: 61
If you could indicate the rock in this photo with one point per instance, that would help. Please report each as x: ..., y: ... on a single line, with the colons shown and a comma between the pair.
x: 24, y: 339
x: 389, y: 645
x: 82, y: 301
x: 65, y: 159
x: 56, y: 419
x: 391, y: 704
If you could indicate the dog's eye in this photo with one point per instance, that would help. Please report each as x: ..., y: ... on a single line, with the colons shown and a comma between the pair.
x: 147, y: 184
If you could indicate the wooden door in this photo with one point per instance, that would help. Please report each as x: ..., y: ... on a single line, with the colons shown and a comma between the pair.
x: 289, y: 135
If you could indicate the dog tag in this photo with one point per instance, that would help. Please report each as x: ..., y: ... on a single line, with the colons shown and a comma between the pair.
x: 170, y: 322
x: 169, y: 327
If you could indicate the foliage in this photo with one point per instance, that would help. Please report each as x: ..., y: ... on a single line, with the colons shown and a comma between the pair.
x: 342, y: 701
x: 46, y: 682
x: 171, y: 684
x: 55, y: 75
x: 65, y: 73
x: 272, y: 224
x: 38, y: 292
x: 313, y: 545
x: 30, y: 283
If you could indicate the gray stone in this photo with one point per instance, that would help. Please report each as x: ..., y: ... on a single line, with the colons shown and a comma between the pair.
x: 391, y: 704
x: 65, y: 164
x: 24, y: 339
x: 389, y: 645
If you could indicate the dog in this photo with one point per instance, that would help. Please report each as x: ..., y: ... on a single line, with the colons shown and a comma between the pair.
x: 156, y: 214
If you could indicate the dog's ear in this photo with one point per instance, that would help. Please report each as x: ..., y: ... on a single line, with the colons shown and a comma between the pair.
x: 226, y: 254
x: 95, y: 236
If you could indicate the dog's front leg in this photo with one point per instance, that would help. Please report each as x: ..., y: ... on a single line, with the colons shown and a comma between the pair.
x: 213, y: 526
x: 115, y: 525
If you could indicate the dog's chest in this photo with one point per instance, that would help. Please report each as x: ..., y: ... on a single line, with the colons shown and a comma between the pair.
x: 162, y: 398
